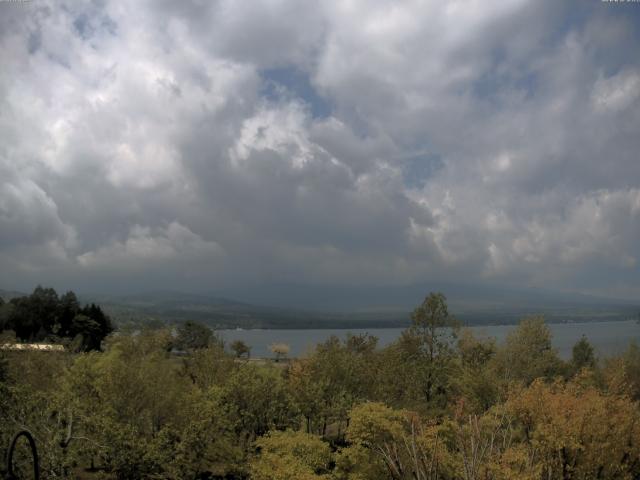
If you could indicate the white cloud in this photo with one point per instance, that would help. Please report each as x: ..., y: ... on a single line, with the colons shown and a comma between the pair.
x: 29, y: 216
x: 144, y: 245
x: 461, y: 141
x: 282, y: 129
x: 617, y: 92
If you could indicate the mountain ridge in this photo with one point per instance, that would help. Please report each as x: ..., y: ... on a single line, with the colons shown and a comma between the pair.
x: 482, y: 306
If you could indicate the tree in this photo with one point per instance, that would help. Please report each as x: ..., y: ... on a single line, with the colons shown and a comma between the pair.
x: 577, y: 432
x: 96, y: 313
x: 280, y: 350
x: 4, y: 369
x: 124, y: 400
x: 528, y: 353
x: 432, y: 322
x: 68, y: 308
x: 33, y: 317
x: 193, y: 335
x: 363, y: 344
x: 622, y: 373
x: 291, y: 455
x: 43, y: 315
x: 240, y: 348
x: 476, y: 382
x: 583, y: 355
x: 309, y: 392
x: 30, y: 398
x: 258, y: 401
x: 475, y: 353
x: 421, y: 363
x: 408, y: 447
x: 5, y: 314
x: 205, y: 446
x: 332, y: 379
x: 208, y: 367
x: 86, y: 333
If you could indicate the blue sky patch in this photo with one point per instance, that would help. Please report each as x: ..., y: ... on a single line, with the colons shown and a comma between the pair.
x: 417, y: 170
x: 290, y: 82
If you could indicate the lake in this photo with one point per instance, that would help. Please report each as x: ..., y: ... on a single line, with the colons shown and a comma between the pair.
x: 608, y: 338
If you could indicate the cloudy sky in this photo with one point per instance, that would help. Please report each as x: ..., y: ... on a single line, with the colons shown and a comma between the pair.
x: 220, y: 145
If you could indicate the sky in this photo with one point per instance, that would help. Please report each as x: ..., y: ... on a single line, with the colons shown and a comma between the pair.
x: 229, y: 145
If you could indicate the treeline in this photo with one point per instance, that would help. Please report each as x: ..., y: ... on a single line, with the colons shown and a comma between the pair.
x: 438, y: 403
x: 45, y: 316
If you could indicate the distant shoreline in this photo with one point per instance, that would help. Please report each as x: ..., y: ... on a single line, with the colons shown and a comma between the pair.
x: 389, y: 325
x: 607, y: 337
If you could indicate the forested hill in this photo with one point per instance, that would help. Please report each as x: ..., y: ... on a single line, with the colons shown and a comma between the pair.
x: 7, y: 295
x: 217, y: 312
x: 470, y: 309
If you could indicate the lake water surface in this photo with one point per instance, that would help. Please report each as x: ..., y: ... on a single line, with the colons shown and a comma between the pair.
x: 608, y: 338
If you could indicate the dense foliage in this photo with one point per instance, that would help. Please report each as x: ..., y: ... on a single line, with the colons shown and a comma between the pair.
x: 44, y: 315
x: 437, y: 403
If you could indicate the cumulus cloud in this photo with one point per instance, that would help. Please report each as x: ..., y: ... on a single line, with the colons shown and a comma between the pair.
x: 617, y: 92
x: 339, y: 143
x: 28, y: 216
x: 173, y: 243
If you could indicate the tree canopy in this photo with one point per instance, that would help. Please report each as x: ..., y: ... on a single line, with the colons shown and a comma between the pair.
x: 193, y: 336
x: 435, y: 404
x: 44, y: 315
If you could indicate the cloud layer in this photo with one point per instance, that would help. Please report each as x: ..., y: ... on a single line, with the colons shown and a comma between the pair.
x: 212, y: 145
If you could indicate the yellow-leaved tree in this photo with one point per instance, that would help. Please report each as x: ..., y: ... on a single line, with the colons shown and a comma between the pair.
x: 289, y: 455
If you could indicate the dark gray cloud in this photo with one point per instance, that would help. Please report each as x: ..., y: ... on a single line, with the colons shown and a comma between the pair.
x: 212, y: 145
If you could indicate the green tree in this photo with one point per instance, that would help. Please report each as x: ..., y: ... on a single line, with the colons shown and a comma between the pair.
x: 435, y: 331
x: 622, y: 372
x: 4, y: 369
x: 29, y: 397
x: 291, y: 455
x: 347, y: 372
x: 6, y: 310
x: 34, y: 316
x: 208, y: 367
x: 204, y: 445
x: 420, y: 366
x: 136, y: 416
x: 408, y: 447
x: 240, y: 349
x: 258, y: 401
x: 582, y: 356
x: 86, y: 333
x: 332, y: 379
x: 68, y: 309
x: 476, y: 382
x: 42, y: 316
x: 528, y: 353
x: 193, y: 335
x: 475, y: 353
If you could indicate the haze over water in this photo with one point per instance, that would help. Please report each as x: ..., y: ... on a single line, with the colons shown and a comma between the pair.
x: 607, y: 338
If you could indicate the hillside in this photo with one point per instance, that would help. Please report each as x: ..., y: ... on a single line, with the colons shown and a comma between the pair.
x: 7, y: 295
x: 222, y: 312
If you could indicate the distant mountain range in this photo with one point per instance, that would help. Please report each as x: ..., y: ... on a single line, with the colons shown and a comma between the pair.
x: 7, y: 295
x: 308, y: 307
x: 173, y: 307
x: 404, y: 298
